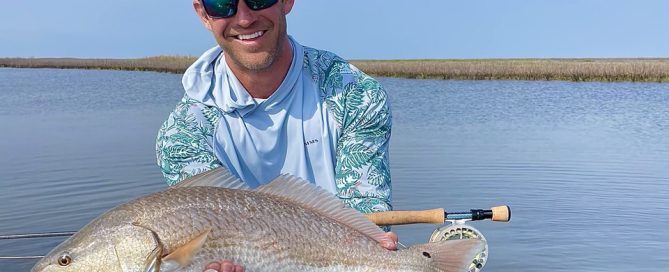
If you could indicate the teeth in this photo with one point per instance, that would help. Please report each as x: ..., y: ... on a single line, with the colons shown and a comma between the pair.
x: 250, y: 36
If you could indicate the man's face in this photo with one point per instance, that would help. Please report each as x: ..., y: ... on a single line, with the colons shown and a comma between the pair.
x: 251, y: 39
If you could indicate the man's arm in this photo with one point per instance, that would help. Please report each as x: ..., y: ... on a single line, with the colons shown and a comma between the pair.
x: 362, y: 170
x: 185, y: 140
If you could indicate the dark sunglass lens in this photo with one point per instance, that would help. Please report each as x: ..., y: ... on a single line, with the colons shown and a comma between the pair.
x: 220, y: 8
x: 260, y: 4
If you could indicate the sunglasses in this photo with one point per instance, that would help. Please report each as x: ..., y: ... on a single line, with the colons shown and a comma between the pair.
x: 228, y: 8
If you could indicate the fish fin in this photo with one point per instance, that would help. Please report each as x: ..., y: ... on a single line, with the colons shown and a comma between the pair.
x: 218, y: 177
x: 450, y: 255
x: 185, y: 253
x: 310, y: 196
x: 152, y: 262
x: 169, y: 266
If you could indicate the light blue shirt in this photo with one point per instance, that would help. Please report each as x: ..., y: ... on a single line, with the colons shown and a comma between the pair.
x: 328, y: 123
x: 257, y: 141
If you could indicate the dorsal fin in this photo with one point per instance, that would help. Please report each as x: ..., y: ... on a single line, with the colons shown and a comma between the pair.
x: 310, y: 196
x: 219, y: 177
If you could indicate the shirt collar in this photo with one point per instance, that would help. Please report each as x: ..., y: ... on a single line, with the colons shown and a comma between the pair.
x: 210, y: 81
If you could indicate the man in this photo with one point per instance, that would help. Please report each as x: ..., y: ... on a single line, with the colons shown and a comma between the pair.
x: 260, y: 104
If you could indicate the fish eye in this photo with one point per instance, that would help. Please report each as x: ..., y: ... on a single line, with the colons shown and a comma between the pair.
x: 65, y: 259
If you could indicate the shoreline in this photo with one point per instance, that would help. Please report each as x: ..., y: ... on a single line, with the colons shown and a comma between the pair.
x: 606, y: 70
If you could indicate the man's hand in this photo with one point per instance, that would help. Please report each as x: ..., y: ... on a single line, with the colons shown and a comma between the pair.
x: 393, y: 245
x: 228, y: 266
x: 223, y: 266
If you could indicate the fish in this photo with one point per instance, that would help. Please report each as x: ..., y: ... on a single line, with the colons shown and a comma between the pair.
x: 288, y: 224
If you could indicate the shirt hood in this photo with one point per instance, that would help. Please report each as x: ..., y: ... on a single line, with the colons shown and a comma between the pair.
x: 210, y: 81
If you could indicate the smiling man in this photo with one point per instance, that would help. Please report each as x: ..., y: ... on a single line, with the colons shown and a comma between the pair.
x: 260, y: 104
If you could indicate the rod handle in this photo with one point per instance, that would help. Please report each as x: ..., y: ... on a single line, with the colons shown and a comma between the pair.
x: 433, y: 216
x: 501, y: 213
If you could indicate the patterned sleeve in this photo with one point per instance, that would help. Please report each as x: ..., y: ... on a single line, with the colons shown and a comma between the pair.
x: 184, y: 143
x: 362, y: 172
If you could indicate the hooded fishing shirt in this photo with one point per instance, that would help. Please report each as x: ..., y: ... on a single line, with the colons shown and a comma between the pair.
x: 327, y: 122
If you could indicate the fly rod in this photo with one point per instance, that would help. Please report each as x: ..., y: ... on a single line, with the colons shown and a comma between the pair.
x: 37, y: 235
x: 438, y: 216
x: 20, y: 257
x: 32, y: 235
x: 433, y: 216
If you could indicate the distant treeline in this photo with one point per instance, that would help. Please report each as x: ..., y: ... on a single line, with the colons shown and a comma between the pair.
x: 647, y: 70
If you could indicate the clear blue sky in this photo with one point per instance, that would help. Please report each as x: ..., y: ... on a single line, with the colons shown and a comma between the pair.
x: 354, y: 29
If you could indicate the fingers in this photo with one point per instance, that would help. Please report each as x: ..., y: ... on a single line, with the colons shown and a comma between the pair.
x: 392, y: 236
x: 213, y: 267
x: 223, y: 266
x: 390, y: 245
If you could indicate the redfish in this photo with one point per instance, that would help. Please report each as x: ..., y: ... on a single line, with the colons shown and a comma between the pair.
x: 286, y: 225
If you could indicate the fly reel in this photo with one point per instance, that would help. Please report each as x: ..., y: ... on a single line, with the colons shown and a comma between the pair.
x: 458, y: 230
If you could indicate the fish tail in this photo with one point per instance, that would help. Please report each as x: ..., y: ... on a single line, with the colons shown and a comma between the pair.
x: 450, y: 255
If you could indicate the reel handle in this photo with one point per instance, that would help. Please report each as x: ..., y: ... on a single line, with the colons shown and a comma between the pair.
x: 438, y: 216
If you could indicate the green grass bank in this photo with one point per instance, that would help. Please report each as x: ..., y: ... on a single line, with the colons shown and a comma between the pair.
x: 635, y: 70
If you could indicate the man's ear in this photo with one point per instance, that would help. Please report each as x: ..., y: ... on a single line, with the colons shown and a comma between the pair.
x: 287, y: 6
x: 199, y: 9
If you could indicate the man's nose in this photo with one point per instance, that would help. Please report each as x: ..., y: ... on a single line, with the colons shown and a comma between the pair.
x: 245, y: 16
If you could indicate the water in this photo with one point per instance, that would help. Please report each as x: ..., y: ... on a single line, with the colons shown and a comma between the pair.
x: 584, y: 166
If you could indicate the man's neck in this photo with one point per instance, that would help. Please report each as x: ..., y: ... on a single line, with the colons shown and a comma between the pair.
x: 263, y: 83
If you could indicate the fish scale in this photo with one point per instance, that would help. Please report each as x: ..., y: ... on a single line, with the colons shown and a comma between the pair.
x: 293, y: 226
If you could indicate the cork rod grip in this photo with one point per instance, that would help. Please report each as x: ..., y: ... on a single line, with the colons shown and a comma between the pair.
x: 433, y: 216
x: 501, y: 214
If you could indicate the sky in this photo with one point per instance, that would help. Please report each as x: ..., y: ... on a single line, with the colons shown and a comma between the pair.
x: 354, y: 29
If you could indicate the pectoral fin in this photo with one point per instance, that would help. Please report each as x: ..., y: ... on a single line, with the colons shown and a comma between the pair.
x: 152, y: 262
x: 185, y: 253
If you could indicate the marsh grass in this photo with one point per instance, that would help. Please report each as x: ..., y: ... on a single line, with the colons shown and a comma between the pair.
x: 648, y: 70
x: 167, y: 64
x: 653, y: 70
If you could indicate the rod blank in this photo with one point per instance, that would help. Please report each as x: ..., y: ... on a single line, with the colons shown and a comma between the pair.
x: 32, y: 235
x: 20, y: 257
x: 37, y: 235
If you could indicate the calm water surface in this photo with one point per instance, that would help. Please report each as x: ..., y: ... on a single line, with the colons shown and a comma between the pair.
x: 584, y: 166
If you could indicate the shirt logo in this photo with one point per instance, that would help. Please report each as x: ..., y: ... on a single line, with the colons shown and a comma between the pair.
x: 310, y: 142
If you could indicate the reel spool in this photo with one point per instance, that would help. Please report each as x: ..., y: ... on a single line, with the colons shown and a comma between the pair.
x: 459, y: 230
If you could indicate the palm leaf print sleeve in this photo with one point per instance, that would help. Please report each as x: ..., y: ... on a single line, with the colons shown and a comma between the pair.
x: 362, y: 171
x: 184, y: 143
